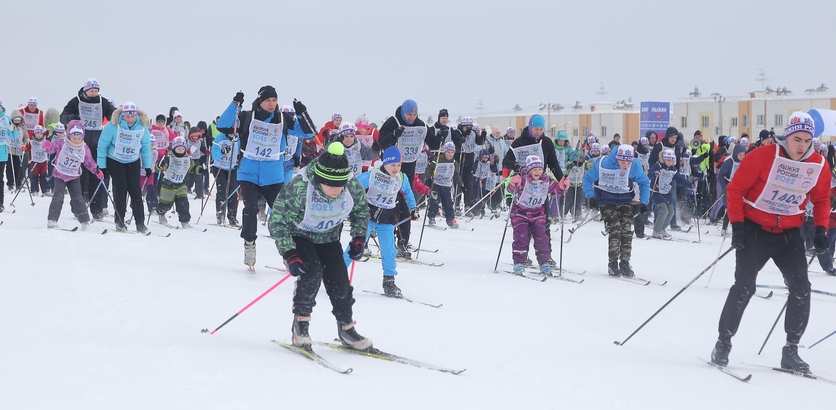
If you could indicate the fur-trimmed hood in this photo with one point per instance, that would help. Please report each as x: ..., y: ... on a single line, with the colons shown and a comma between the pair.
x: 144, y: 120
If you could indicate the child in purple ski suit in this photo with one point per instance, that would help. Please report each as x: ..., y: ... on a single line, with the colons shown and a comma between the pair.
x: 528, y: 213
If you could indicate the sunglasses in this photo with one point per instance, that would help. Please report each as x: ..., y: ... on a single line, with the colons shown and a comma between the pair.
x: 129, y: 113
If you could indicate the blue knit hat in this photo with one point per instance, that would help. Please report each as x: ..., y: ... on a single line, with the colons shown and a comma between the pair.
x: 391, y: 155
x: 537, y: 121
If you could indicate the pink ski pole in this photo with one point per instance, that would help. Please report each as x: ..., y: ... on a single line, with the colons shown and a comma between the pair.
x: 243, y: 309
x: 351, y: 276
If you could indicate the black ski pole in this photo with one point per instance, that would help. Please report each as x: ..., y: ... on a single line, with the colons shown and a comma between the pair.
x: 621, y: 343
x: 781, y: 313
x: 502, y: 242
x: 699, y: 234
x: 822, y: 339
x: 421, y: 236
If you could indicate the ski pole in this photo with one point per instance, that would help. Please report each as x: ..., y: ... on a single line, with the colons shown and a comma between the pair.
x: 403, y: 221
x: 208, y: 194
x: 248, y: 305
x: 351, y: 275
x: 502, y: 242
x: 480, y: 200
x: 822, y: 339
x: 781, y: 313
x: 711, y: 275
x: 684, y: 288
x: 421, y: 236
x: 699, y: 234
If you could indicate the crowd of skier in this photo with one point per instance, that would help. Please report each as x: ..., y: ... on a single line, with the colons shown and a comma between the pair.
x: 305, y: 182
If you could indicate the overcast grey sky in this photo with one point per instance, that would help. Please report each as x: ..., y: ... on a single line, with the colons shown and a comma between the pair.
x: 367, y: 56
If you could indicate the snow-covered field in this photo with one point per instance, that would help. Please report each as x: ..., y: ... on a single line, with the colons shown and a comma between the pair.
x: 113, y: 322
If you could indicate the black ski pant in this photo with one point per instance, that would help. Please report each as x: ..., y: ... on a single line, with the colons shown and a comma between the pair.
x: 89, y: 181
x: 251, y: 193
x: 786, y: 249
x: 468, y: 162
x: 225, y: 191
x: 125, y: 178
x: 441, y: 193
x: 14, y: 173
x: 324, y: 265
x: 574, y: 198
x: 2, y: 172
x: 403, y: 230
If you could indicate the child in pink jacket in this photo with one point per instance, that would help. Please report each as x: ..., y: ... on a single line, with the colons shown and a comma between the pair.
x: 70, y: 154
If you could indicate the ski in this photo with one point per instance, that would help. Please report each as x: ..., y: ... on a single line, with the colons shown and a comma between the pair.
x: 73, y: 229
x: 725, y: 370
x: 806, y: 375
x: 436, y: 227
x: 820, y: 292
x: 564, y: 278
x: 376, y: 353
x: 235, y: 227
x: 276, y: 268
x: 634, y: 280
x: 412, y: 261
x: 405, y: 299
x: 425, y: 250
x: 672, y: 239
x: 767, y: 296
x: 524, y: 276
x: 314, y: 357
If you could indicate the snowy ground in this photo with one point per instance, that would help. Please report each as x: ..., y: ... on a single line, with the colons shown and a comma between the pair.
x: 103, y: 322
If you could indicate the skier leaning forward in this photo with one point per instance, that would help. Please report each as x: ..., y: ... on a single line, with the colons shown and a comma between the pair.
x: 766, y: 201
x: 306, y: 223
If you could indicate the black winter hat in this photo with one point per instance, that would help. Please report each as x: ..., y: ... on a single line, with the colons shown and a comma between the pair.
x: 331, y: 167
x: 443, y: 113
x: 268, y: 91
x: 764, y: 134
x: 671, y: 131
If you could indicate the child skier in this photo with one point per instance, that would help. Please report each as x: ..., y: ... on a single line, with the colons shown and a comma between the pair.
x: 39, y: 161
x: 175, y: 167
x: 664, y: 175
x: 528, y: 213
x: 445, y: 175
x: 609, y: 184
x: 383, y: 184
x: 306, y: 223
x: 70, y: 154
x: 484, y: 174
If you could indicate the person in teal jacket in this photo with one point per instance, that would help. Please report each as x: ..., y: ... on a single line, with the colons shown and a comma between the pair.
x: 124, y: 149
x: 386, y: 185
x: 6, y: 136
x: 609, y: 184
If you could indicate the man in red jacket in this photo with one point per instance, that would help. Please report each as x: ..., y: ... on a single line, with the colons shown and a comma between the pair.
x: 766, y: 202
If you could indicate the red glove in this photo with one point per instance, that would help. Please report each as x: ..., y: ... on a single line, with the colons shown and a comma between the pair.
x: 419, y: 186
x: 505, y: 172
x: 295, y: 264
x: 99, y: 174
x: 355, y: 248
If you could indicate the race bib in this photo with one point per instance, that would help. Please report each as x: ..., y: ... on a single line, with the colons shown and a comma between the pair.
x: 69, y: 160
x: 177, y: 169
x: 614, y: 181
x: 38, y: 152
x: 383, y: 189
x: 323, y: 214
x: 469, y: 146
x: 787, y: 186
x: 665, y: 181
x: 264, y: 141
x: 91, y: 115
x: 160, y: 139
x: 194, y: 149
x: 421, y: 163
x: 521, y: 153
x: 128, y: 143
x: 290, y: 148
x: 444, y: 174
x: 534, y: 194
x: 411, y: 142
x: 355, y: 159
x: 30, y: 120
x: 576, y: 175
x: 227, y: 159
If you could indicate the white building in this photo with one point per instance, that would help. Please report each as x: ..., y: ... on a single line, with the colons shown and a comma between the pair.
x: 713, y: 116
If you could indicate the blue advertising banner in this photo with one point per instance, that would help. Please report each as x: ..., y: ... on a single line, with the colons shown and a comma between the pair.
x: 655, y: 116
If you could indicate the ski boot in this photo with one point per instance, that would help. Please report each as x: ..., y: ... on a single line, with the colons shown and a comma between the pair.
x: 120, y: 226
x: 626, y: 271
x: 453, y: 223
x: 390, y: 289
x: 519, y: 269
x: 141, y: 228
x: 233, y: 222
x: 403, y: 252
x: 84, y: 226
x: 185, y: 225
x: 546, y: 269
x: 430, y: 221
x: 613, y: 270
x: 791, y: 361
x: 51, y: 224
x: 162, y: 219
x: 349, y: 337
x: 249, y: 255
x: 220, y: 218
x: 720, y: 354
x: 831, y: 271
x: 299, y: 332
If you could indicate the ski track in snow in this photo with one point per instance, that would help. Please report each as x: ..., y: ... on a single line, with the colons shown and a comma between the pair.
x: 113, y: 321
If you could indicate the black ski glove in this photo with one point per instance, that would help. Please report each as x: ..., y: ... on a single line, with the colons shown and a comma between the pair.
x: 355, y: 248
x: 299, y: 107
x: 593, y: 203
x: 294, y: 262
x: 639, y: 209
x: 820, y: 240
x: 239, y: 97
x: 414, y: 215
x: 737, y: 238
x: 148, y: 172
